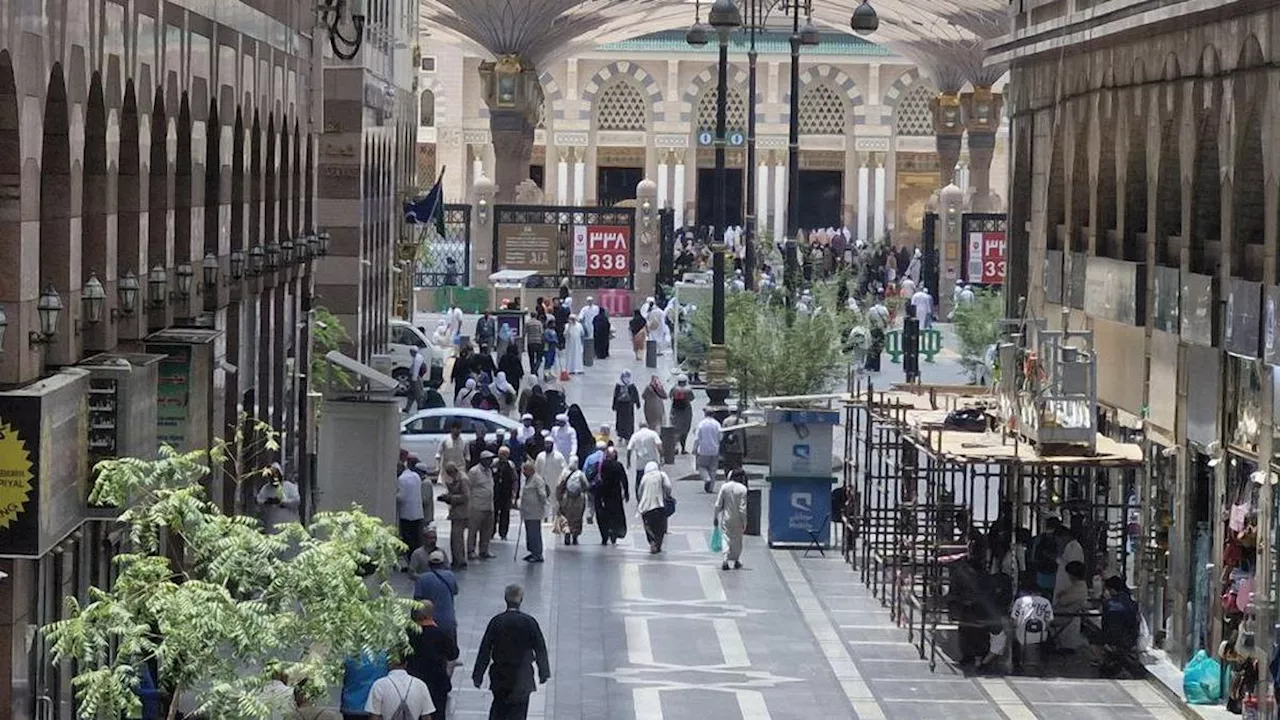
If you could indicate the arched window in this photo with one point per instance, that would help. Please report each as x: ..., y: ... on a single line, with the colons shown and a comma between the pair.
x: 735, y: 109
x: 621, y: 107
x: 427, y: 109
x: 914, y: 114
x: 822, y: 112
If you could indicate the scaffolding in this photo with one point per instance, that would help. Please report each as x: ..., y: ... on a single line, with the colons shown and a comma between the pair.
x: 927, y: 491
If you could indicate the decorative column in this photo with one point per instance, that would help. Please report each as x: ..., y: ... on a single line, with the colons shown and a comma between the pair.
x: 982, y: 112
x: 878, y: 231
x: 562, y: 176
x: 662, y: 178
x: 648, y: 245
x: 864, y: 202
x: 482, y: 220
x: 579, y: 176
x: 948, y: 127
x: 477, y: 161
x: 762, y: 193
x: 678, y: 191
x: 780, y: 201
x: 514, y: 96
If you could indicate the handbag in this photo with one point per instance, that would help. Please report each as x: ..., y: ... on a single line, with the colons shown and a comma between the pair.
x: 716, y: 543
x: 669, y: 505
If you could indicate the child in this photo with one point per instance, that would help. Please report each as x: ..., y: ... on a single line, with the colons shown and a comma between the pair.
x: 550, y: 342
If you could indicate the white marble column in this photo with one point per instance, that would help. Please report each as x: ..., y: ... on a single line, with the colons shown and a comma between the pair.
x: 762, y: 196
x: 562, y: 179
x: 678, y: 191
x: 864, y: 203
x: 662, y: 179
x: 780, y: 201
x: 477, y: 163
x: 880, y: 191
x: 580, y: 177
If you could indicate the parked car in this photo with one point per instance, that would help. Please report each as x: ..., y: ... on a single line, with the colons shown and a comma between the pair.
x: 404, y: 336
x: 422, y: 432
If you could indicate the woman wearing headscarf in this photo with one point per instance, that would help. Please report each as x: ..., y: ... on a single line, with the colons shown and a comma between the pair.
x: 512, y: 364
x: 651, y: 504
x: 625, y: 401
x: 539, y: 408
x: 639, y: 334
x: 609, y: 496
x: 682, y: 409
x: 654, y: 397
x: 505, y: 393
x: 461, y: 370
x: 601, y: 331
x: 467, y: 395
x: 586, y: 441
x: 571, y: 493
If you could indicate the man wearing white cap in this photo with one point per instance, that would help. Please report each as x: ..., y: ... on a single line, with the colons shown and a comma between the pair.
x: 564, y: 436
x: 587, y: 317
x: 526, y: 430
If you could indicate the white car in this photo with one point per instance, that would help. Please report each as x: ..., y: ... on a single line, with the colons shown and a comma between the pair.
x: 404, y: 336
x: 422, y: 432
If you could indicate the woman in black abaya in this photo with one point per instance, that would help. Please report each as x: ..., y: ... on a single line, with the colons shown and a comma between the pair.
x: 601, y: 329
x: 586, y: 440
x: 609, y: 499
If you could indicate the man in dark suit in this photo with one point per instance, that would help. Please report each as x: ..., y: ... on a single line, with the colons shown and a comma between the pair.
x: 513, y: 643
x: 434, y: 652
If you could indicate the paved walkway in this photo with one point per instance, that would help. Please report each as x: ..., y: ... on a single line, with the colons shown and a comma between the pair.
x: 788, y: 638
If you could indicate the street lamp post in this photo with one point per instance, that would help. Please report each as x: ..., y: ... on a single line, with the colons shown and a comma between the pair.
x: 725, y: 18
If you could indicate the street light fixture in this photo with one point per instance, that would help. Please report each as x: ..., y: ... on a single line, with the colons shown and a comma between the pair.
x: 184, y: 273
x: 127, y: 290
x: 237, y: 264
x: 324, y: 242
x: 273, y: 256
x: 332, y: 13
x: 4, y: 326
x: 48, y: 307
x: 864, y: 20
x: 809, y: 34
x: 209, y: 269
x: 158, y: 286
x: 313, y: 242
x: 256, y: 260
x: 286, y: 252
x: 93, y: 298
x: 699, y: 35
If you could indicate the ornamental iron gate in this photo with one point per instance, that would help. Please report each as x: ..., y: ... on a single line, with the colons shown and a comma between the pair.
x: 580, y: 244
x: 446, y: 262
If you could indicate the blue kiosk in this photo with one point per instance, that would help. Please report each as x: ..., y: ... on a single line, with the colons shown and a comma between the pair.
x: 800, y: 476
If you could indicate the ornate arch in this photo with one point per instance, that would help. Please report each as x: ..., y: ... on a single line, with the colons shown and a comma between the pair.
x: 552, y: 96
x: 621, y: 71
x: 838, y: 81
x: 706, y: 80
x: 900, y: 87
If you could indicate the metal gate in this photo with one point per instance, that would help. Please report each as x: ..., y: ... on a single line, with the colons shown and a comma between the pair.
x: 446, y: 262
x: 541, y: 238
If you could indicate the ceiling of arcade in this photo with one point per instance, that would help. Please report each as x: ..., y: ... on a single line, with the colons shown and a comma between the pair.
x: 943, y: 36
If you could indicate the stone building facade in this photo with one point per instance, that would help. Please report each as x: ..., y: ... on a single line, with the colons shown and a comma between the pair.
x: 1145, y: 206
x: 158, y: 184
x: 644, y: 108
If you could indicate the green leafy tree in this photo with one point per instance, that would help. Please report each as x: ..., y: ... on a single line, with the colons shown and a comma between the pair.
x: 220, y: 605
x: 327, y: 333
x: 766, y: 355
x: 243, y: 458
x: 977, y: 327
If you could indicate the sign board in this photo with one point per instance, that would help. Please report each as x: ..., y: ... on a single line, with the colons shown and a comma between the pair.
x: 986, y: 258
x: 797, y: 507
x: 735, y: 138
x: 19, y: 465
x: 801, y: 441
x: 529, y: 247
x: 172, y: 396
x: 602, y: 250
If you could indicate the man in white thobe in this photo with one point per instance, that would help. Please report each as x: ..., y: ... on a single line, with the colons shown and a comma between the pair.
x: 966, y: 296
x: 913, y: 268
x: 657, y: 325
x: 587, y: 318
x: 455, y: 322
x: 731, y: 517
x: 573, y: 346
x: 922, y: 301
x: 550, y: 464
x: 564, y: 438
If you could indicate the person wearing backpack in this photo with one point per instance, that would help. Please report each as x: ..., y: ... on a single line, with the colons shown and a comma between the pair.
x: 571, y: 493
x: 399, y: 695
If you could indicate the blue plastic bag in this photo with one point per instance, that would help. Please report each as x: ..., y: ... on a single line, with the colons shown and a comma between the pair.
x: 1202, y: 680
x: 716, y: 543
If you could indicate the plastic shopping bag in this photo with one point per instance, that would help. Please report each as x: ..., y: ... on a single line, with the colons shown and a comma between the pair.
x: 1202, y: 680
x: 716, y: 543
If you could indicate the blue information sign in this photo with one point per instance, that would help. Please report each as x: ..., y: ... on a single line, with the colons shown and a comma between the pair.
x: 797, y: 506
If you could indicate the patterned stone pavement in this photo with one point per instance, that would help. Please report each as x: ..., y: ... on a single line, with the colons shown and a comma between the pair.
x: 787, y: 638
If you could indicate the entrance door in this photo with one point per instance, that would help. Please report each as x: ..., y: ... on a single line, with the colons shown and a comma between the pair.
x: 820, y: 192
x: 615, y: 184
x: 707, y: 196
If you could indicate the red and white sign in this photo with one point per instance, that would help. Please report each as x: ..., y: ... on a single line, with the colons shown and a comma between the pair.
x: 602, y: 250
x: 986, y: 258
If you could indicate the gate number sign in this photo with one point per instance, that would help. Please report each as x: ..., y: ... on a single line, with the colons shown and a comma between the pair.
x: 986, y: 258
x: 602, y: 250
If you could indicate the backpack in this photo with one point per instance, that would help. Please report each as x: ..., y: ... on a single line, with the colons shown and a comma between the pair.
x: 573, y: 486
x: 402, y: 711
x: 681, y: 399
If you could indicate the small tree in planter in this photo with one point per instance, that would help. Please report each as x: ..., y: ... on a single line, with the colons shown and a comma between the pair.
x: 977, y: 327
x: 237, y: 607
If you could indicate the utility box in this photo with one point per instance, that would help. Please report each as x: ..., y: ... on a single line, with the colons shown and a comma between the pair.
x: 800, y: 477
